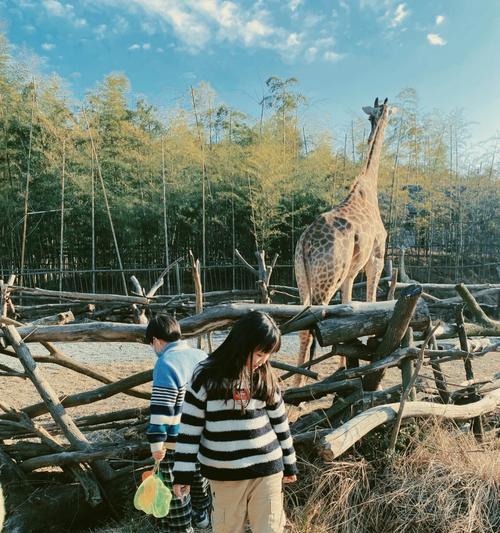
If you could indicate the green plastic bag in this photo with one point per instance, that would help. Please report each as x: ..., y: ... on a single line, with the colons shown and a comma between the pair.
x: 152, y: 496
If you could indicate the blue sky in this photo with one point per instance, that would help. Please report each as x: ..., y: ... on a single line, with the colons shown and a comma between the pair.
x: 344, y: 52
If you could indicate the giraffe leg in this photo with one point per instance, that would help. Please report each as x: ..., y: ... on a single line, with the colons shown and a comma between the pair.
x: 306, y: 340
x: 346, y: 290
x: 373, y: 269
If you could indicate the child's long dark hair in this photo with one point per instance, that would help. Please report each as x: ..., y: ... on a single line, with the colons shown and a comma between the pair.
x: 226, y: 368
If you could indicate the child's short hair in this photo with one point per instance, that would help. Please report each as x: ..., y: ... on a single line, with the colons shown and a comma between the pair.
x: 163, y: 327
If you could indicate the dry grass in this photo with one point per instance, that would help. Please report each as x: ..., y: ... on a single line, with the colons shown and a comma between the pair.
x: 445, y: 482
x: 440, y: 481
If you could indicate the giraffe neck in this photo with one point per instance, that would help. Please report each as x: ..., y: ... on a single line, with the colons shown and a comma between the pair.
x: 368, y: 178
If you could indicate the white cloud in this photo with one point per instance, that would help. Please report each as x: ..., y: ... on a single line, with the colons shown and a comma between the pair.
x: 66, y: 11
x: 311, y: 53
x: 57, y: 9
x: 196, y: 23
x: 143, y: 46
x: 160, y: 50
x: 293, y: 40
x: 399, y: 15
x: 148, y: 28
x: 329, y: 55
x: 294, y: 4
x: 48, y: 46
x: 120, y: 24
x: 100, y: 31
x: 435, y: 39
x: 439, y: 20
x: 76, y: 75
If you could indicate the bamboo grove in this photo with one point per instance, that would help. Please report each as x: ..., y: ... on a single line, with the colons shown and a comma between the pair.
x: 88, y: 185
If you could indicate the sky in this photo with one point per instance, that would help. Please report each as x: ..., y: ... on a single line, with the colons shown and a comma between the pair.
x: 343, y: 52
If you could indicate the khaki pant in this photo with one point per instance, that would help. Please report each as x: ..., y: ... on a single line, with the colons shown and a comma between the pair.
x: 260, y: 499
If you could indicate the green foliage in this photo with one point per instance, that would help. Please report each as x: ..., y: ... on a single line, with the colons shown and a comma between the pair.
x: 263, y: 179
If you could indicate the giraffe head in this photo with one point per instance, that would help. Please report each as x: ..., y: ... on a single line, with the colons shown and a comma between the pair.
x: 375, y: 114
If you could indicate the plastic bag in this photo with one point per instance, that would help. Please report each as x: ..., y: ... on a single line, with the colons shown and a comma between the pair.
x: 152, y: 496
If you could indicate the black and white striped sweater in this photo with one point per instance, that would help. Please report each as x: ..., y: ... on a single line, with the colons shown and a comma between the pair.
x: 230, y: 444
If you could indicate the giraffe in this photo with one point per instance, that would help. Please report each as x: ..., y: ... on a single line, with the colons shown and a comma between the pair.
x: 347, y: 239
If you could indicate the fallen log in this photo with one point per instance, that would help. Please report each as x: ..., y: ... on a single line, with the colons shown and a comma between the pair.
x: 341, y: 439
x: 59, y: 319
x: 325, y: 417
x: 371, y: 319
x: 79, y: 296
x: 84, y: 398
x: 296, y: 395
x: 451, y: 287
x: 58, y: 358
x: 350, y: 316
x: 51, y: 402
x: 72, y: 458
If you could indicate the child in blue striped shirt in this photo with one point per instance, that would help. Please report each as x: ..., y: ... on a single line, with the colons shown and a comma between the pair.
x: 175, y: 363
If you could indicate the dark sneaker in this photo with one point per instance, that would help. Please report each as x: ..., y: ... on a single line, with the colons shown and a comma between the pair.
x: 200, y: 519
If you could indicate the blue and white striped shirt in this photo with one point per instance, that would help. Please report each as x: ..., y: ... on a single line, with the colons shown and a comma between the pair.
x: 172, y: 372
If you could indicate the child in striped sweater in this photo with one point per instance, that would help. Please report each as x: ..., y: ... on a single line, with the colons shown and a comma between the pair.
x: 234, y: 423
x: 174, y: 367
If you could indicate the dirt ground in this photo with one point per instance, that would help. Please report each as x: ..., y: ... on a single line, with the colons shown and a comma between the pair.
x: 124, y: 359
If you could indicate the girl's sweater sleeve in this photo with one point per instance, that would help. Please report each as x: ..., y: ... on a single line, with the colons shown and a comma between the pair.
x: 188, y: 440
x: 279, y: 421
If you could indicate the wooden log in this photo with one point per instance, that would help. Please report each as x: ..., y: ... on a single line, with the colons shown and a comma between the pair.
x: 221, y: 316
x: 439, y: 377
x: 451, y: 287
x: 387, y: 362
x: 407, y: 392
x: 60, y: 359
x: 477, y: 424
x: 88, y: 332
x: 450, y: 331
x: 40, y: 310
x: 159, y: 282
x: 59, y: 319
x: 85, y: 477
x: 295, y: 369
x: 72, y: 457
x: 371, y: 319
x: 396, y: 329
x: 478, y: 314
x: 101, y: 393
x: 322, y: 417
x: 341, y: 439
x: 296, y: 395
x: 308, y: 364
x: 51, y: 402
x: 80, y: 296
x: 407, y: 366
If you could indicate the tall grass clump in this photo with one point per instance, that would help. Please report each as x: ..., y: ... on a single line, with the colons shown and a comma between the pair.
x: 444, y: 481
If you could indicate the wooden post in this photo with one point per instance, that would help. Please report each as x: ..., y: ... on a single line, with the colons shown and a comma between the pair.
x: 477, y: 425
x: 407, y: 364
x: 396, y: 329
x: 439, y: 377
x: 75, y: 437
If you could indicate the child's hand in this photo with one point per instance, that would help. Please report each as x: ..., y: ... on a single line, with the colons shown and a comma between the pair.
x: 158, y: 455
x: 289, y: 479
x: 181, y: 491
